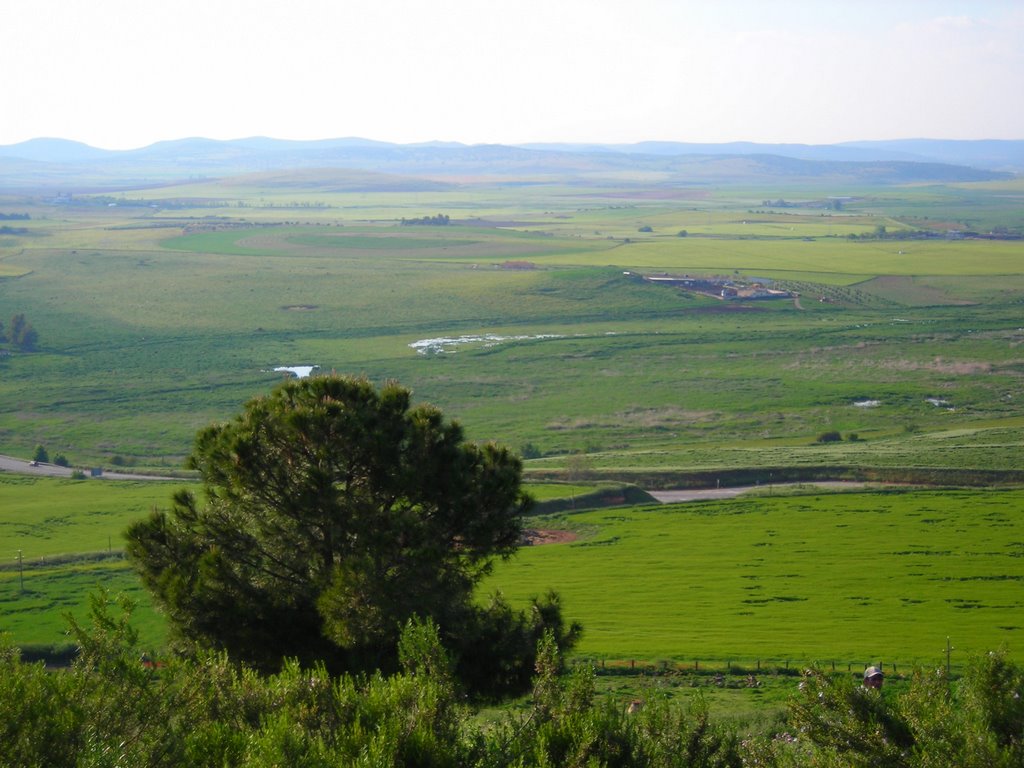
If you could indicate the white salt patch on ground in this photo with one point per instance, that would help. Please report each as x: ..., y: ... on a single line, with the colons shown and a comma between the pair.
x: 446, y: 344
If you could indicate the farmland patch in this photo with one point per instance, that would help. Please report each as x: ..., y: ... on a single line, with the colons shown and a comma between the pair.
x: 910, y: 291
x: 682, y: 582
x: 382, y: 242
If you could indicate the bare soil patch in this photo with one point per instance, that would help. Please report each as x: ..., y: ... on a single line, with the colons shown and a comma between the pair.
x: 724, y: 307
x: 536, y: 536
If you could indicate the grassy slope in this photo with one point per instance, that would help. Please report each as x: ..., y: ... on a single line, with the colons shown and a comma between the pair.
x: 69, y: 534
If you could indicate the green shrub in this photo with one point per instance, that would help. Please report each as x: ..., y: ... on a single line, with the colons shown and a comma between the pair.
x: 975, y: 722
x: 112, y: 707
x: 530, y: 451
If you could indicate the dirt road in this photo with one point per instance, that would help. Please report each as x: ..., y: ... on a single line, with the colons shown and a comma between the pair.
x: 728, y: 493
x: 22, y: 467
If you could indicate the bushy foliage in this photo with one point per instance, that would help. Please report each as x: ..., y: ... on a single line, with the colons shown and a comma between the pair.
x: 439, y: 220
x: 22, y: 335
x: 114, y: 707
x: 530, y: 451
x: 975, y: 722
x: 567, y: 726
x: 498, y: 654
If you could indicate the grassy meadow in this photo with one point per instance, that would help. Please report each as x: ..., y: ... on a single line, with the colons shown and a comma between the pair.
x: 152, y: 344
x: 69, y: 534
x: 528, y: 319
x: 845, y: 578
x: 778, y: 579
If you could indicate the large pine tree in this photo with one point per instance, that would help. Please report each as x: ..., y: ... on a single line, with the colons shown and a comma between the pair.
x: 333, y: 513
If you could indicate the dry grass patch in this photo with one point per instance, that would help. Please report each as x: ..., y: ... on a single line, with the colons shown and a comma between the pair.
x: 663, y: 417
x: 938, y: 365
x: 910, y: 291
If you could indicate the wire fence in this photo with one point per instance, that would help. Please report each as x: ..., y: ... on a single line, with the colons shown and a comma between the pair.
x: 760, y: 666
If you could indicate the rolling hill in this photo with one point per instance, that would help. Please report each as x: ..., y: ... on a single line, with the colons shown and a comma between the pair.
x: 58, y: 163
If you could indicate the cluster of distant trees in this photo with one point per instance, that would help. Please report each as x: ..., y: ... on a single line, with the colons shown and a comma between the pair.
x: 7, y: 230
x: 881, y: 233
x: 20, y: 335
x: 440, y: 220
x: 834, y: 436
x: 42, y: 456
x: 832, y: 204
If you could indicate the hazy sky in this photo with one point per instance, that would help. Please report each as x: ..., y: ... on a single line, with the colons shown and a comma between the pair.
x: 126, y: 73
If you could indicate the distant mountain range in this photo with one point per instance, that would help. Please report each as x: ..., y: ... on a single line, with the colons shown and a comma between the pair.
x: 59, y: 163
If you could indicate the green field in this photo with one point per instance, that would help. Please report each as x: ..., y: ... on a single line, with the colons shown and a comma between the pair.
x: 153, y: 344
x: 167, y: 311
x: 69, y: 534
x: 845, y: 578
